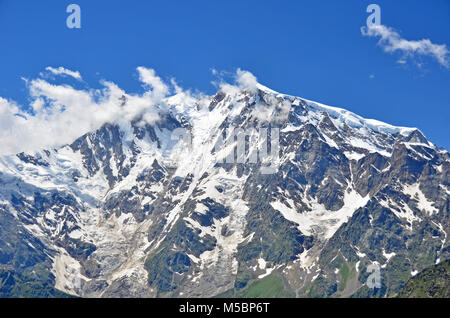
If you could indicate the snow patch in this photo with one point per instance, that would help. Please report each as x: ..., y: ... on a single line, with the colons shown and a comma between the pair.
x: 320, y: 220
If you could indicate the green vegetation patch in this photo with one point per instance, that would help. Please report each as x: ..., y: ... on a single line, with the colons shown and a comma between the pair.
x: 433, y: 282
x: 271, y: 286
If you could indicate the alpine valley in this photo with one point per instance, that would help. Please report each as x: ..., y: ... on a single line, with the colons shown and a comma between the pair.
x: 128, y: 211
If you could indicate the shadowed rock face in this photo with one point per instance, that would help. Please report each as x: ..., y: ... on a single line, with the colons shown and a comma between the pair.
x: 126, y: 211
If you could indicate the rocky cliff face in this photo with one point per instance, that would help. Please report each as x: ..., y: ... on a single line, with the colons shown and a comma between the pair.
x: 129, y: 210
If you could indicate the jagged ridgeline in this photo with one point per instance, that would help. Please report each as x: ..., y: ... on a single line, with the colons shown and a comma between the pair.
x: 127, y: 211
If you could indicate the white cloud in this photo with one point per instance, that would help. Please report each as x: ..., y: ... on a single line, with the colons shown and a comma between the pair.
x: 62, y: 113
x: 63, y: 71
x: 391, y: 41
x: 246, y: 80
x: 243, y: 80
x: 149, y: 78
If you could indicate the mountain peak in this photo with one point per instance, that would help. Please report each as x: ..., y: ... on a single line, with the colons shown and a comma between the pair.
x: 168, y: 206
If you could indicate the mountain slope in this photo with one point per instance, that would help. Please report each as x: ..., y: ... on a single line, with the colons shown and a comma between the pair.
x: 433, y: 282
x: 130, y: 210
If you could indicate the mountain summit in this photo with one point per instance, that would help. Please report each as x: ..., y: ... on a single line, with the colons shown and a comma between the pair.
x: 170, y: 207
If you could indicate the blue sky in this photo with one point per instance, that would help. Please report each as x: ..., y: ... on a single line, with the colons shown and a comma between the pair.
x: 312, y: 49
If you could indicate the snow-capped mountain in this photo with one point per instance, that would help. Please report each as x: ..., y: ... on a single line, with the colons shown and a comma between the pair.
x: 129, y: 210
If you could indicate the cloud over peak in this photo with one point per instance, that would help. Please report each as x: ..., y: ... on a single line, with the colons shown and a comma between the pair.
x: 246, y: 80
x: 60, y: 113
